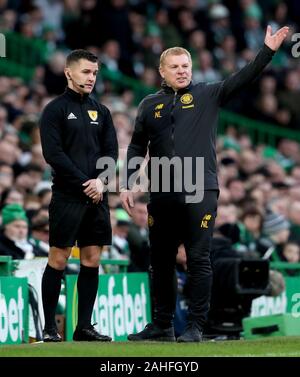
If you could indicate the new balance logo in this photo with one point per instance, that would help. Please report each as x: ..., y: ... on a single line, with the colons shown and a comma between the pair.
x: 72, y: 116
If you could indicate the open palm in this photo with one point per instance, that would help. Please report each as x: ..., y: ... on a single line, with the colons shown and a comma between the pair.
x: 274, y: 41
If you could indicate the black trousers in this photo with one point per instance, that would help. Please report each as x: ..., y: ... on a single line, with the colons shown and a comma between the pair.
x: 171, y: 223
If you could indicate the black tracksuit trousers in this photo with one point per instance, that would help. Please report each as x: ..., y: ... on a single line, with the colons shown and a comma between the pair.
x: 172, y: 222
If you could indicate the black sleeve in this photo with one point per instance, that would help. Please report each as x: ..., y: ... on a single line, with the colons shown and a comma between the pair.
x: 137, y: 147
x: 52, y: 145
x: 226, y: 89
x: 109, y: 143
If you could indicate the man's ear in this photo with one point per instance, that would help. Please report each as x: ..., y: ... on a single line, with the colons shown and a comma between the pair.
x: 161, y: 72
x: 67, y: 73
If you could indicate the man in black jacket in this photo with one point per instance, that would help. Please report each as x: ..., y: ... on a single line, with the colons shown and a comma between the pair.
x: 179, y: 123
x: 76, y: 131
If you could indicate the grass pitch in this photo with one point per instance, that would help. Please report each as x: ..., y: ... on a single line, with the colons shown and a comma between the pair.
x: 270, y: 347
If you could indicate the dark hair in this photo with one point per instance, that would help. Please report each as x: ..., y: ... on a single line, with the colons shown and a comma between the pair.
x: 76, y: 55
x: 252, y: 210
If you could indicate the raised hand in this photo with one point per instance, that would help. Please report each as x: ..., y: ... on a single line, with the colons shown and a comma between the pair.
x: 274, y: 41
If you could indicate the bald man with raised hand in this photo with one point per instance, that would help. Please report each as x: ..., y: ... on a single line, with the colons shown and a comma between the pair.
x: 180, y: 121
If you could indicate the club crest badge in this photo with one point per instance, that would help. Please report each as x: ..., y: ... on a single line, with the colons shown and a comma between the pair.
x: 186, y: 99
x: 93, y: 114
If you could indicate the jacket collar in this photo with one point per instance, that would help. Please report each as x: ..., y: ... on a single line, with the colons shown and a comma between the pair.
x: 76, y: 96
x: 168, y: 89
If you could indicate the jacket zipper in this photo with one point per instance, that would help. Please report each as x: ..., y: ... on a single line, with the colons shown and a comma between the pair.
x: 173, y: 123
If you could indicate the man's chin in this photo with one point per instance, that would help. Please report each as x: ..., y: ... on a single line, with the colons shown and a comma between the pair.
x: 181, y: 85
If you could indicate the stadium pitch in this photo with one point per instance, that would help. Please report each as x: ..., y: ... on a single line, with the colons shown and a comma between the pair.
x: 270, y: 347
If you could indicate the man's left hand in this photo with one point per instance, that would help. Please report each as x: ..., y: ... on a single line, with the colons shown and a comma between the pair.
x: 97, y: 198
x: 94, y: 189
x: 275, y: 41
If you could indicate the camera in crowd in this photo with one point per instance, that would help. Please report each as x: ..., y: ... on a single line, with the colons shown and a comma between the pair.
x: 237, y: 280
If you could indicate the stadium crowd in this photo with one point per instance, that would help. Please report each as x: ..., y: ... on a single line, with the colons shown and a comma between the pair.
x: 259, y: 203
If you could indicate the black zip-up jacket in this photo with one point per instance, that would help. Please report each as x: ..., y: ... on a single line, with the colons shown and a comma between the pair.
x: 75, y: 132
x: 184, y: 123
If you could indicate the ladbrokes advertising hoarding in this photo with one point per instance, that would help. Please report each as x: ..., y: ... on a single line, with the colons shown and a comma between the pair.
x: 287, y: 302
x: 122, y: 305
x: 13, y: 310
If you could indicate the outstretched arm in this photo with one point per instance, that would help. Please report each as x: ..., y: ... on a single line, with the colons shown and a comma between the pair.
x: 226, y: 89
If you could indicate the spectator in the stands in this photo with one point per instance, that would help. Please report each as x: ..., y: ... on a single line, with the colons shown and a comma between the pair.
x: 138, y: 237
x: 291, y: 252
x: 40, y: 230
x: 6, y: 176
x: 54, y: 78
x: 14, y: 237
x: 13, y: 196
x: 110, y: 56
x: 294, y: 218
x: 3, y: 120
x: 8, y: 153
x: 276, y: 232
x: 289, y: 97
x: 119, y: 247
x: 206, y: 71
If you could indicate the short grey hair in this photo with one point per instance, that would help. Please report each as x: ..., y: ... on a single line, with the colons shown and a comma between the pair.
x: 173, y: 51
